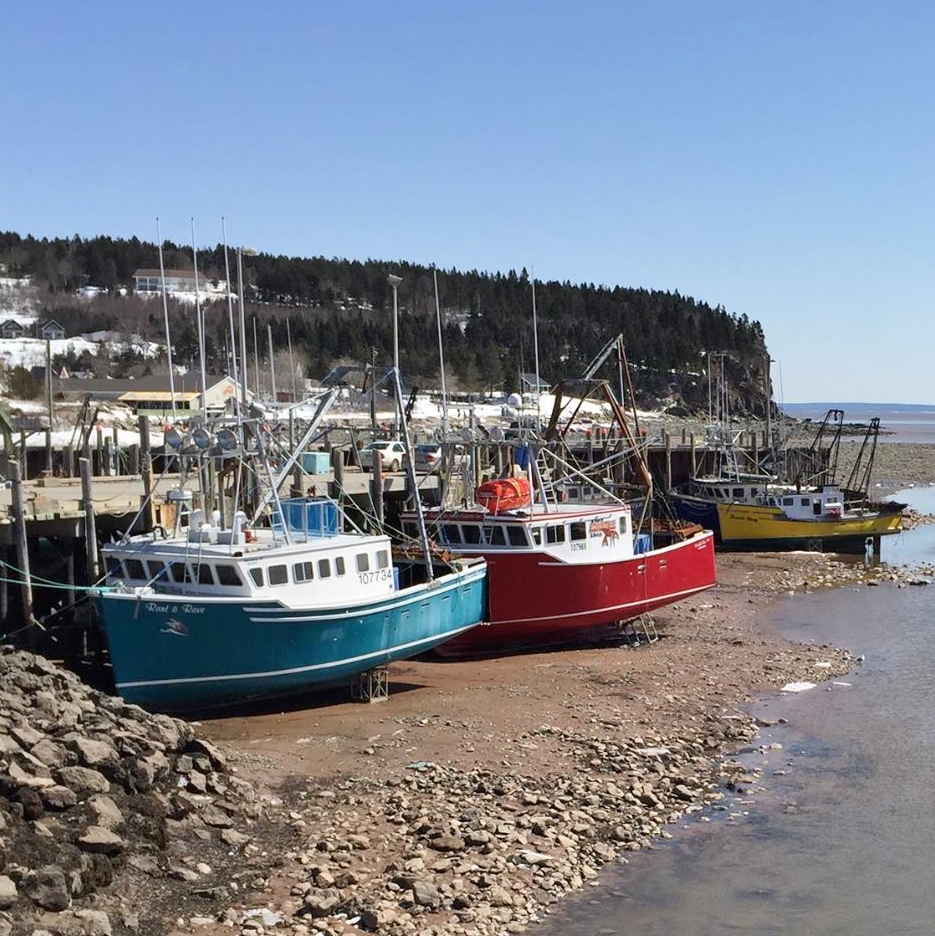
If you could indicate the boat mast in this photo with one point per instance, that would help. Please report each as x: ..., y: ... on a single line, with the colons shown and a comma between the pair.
x: 230, y: 307
x: 535, y: 341
x: 441, y: 358
x: 272, y: 363
x: 201, y: 333
x: 165, y: 315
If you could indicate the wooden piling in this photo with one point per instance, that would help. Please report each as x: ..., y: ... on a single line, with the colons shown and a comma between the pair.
x: 376, y: 492
x: 337, y: 467
x: 90, y: 525
x: 146, y: 471
x: 19, y: 538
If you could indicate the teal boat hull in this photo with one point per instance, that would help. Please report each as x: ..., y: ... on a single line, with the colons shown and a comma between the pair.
x: 176, y: 653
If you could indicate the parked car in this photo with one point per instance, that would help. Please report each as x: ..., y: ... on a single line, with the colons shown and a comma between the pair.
x: 388, y: 455
x: 428, y: 457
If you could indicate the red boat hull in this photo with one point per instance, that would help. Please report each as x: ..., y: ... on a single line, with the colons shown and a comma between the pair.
x: 537, y: 602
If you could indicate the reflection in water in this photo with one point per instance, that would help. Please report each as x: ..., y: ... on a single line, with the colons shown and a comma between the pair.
x: 838, y: 837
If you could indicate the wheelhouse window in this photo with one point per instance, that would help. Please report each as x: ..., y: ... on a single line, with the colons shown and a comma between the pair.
x: 788, y: 501
x: 278, y: 575
x: 471, y: 533
x: 135, y: 569
x: 204, y: 574
x: 113, y: 565
x: 180, y: 572
x: 256, y: 573
x: 363, y: 562
x: 324, y: 568
x: 451, y: 533
x: 578, y: 531
x: 303, y: 571
x: 516, y: 536
x: 383, y: 559
x: 555, y: 534
x: 227, y: 574
x: 339, y: 567
x: 537, y: 536
x: 155, y: 570
x: 738, y: 492
x: 495, y: 536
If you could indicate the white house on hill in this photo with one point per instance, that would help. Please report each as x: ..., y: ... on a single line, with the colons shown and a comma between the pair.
x: 149, y: 281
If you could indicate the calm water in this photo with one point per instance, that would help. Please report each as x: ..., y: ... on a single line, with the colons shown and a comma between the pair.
x: 840, y: 835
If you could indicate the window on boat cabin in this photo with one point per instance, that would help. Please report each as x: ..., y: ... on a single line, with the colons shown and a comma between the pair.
x: 536, y: 535
x: 303, y: 571
x: 573, y: 491
x: 155, y: 570
x: 516, y: 535
x: 383, y: 559
x: 113, y: 565
x: 495, y: 536
x: 363, y: 562
x: 816, y: 507
x: 804, y: 502
x: 555, y: 534
x: 180, y: 572
x: 204, y: 574
x: 135, y: 570
x: 623, y: 525
x: 256, y: 573
x: 339, y: 568
x: 277, y: 574
x: 471, y: 533
x: 227, y: 574
x: 451, y: 533
x: 788, y: 501
x: 738, y: 492
x: 578, y: 531
x: 324, y: 568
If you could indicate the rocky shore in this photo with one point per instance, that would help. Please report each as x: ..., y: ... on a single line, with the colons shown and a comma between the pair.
x: 474, y: 798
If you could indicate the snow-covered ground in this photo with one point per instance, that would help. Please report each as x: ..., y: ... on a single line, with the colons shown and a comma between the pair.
x: 19, y: 303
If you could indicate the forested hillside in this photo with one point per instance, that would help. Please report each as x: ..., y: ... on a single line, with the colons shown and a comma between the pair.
x: 341, y: 311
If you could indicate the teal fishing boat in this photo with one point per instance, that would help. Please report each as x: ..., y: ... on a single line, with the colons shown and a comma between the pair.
x: 299, y: 598
x: 212, y: 616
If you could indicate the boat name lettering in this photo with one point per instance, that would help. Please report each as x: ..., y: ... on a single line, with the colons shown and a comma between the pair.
x: 153, y: 608
x: 377, y: 575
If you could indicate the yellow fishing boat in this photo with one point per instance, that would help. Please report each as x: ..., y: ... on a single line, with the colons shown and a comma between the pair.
x: 813, y: 520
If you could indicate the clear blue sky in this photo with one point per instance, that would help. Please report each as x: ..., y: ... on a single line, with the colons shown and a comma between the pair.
x: 772, y: 157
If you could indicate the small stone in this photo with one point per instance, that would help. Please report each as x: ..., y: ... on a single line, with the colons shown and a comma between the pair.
x: 100, y: 841
x: 8, y: 892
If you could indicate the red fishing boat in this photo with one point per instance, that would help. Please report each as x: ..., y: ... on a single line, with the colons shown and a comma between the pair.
x: 561, y: 573
x: 568, y: 558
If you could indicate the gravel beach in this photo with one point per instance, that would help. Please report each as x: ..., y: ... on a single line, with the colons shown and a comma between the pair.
x: 469, y: 802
